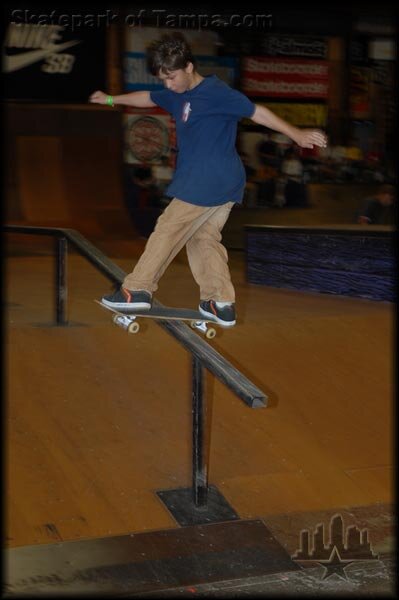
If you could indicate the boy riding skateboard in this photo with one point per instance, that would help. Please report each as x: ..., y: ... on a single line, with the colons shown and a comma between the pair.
x: 208, y: 180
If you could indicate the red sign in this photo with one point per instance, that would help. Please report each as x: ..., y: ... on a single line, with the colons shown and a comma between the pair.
x: 149, y: 136
x: 360, y: 92
x: 284, y: 77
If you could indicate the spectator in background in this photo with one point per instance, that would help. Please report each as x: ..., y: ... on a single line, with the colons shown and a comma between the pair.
x: 249, y: 170
x: 337, y: 156
x: 353, y: 162
x: 267, y: 152
x: 327, y: 167
x: 267, y: 173
x: 163, y: 174
x: 379, y: 210
x: 142, y: 198
x: 373, y: 170
x: 292, y: 176
x: 251, y: 188
x: 310, y: 158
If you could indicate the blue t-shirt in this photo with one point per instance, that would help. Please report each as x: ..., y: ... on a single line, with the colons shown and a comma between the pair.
x: 209, y: 171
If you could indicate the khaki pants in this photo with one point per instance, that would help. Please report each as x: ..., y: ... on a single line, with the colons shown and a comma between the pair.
x: 199, y: 229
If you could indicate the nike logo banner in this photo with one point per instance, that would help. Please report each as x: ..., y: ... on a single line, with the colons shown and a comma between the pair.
x: 24, y: 59
x: 54, y: 61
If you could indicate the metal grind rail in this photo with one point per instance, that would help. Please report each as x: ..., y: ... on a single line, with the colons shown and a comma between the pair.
x: 203, y: 355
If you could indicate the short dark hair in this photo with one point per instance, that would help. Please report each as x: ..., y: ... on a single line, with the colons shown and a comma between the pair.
x: 169, y: 53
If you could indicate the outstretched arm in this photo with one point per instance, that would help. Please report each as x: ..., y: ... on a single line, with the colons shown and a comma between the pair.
x: 306, y: 138
x: 137, y: 99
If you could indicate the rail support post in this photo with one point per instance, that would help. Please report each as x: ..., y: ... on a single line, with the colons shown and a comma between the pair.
x: 200, y: 503
x: 61, y: 289
x: 200, y: 449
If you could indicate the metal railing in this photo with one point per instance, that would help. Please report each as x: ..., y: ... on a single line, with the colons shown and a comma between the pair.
x: 204, y: 356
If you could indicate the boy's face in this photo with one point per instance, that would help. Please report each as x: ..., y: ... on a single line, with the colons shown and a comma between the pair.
x: 178, y: 81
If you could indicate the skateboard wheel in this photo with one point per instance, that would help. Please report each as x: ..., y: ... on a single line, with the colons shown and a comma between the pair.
x: 210, y: 334
x: 133, y: 328
x: 193, y: 324
x: 115, y: 319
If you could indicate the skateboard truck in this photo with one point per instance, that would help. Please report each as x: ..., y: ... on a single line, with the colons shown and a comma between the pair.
x: 127, y: 322
x: 209, y: 332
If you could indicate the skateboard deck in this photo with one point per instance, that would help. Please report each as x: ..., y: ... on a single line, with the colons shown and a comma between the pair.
x: 128, y: 319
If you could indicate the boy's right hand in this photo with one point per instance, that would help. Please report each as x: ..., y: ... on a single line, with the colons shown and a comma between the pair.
x: 98, y: 97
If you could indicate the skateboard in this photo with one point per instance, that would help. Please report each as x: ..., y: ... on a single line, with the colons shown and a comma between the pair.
x: 128, y: 320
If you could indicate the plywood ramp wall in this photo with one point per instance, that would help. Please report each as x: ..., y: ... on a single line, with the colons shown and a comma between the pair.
x: 40, y: 175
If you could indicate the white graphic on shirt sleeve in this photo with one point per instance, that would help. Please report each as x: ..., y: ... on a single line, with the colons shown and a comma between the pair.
x: 186, y: 112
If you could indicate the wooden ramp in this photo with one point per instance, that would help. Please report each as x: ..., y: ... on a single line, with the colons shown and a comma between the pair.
x: 98, y: 421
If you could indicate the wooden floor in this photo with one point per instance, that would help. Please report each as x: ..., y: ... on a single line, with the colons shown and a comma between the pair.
x: 97, y: 420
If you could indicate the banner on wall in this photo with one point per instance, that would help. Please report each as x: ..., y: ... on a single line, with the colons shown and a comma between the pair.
x: 301, y: 115
x: 137, y: 77
x: 290, y: 45
x: 382, y: 49
x: 51, y: 57
x: 201, y: 42
x: 284, y: 77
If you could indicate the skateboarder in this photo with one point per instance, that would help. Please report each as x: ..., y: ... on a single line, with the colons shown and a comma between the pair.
x: 208, y: 180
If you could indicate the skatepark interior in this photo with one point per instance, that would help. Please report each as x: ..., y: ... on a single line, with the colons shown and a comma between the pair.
x: 97, y: 420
